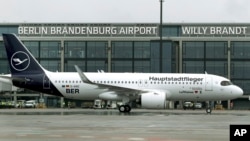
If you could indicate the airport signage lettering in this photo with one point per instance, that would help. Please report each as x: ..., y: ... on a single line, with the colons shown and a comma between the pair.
x: 214, y: 30
x: 87, y: 30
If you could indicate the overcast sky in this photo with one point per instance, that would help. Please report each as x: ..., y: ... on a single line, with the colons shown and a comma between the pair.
x: 124, y: 11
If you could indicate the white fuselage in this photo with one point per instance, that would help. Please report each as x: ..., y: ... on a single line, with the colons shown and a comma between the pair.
x: 195, y: 87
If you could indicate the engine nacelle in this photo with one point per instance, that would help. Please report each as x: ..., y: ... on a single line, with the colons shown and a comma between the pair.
x: 153, y: 100
x: 110, y: 96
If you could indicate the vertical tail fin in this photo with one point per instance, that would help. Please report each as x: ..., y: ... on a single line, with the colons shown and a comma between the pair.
x: 21, y: 61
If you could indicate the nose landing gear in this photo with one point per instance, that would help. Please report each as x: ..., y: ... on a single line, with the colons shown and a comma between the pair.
x: 209, y: 107
x: 209, y: 110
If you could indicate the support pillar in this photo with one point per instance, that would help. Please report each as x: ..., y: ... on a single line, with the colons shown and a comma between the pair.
x: 109, y: 55
x: 62, y: 69
x: 15, y: 98
x: 229, y: 68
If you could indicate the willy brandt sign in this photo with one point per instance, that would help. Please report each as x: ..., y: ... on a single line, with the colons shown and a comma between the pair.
x: 214, y: 30
x: 87, y: 30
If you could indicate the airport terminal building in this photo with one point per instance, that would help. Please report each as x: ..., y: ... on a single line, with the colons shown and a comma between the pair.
x: 215, y: 48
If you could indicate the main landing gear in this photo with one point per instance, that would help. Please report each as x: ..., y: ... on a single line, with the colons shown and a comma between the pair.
x: 124, y: 108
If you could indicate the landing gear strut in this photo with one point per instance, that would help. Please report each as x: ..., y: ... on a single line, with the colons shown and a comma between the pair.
x: 124, y: 108
x: 209, y: 107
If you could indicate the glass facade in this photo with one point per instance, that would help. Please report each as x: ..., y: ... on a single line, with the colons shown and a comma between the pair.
x: 171, y: 31
x: 186, y: 48
x: 131, y: 56
x: 74, y: 54
x: 46, y: 52
x: 8, y: 29
x: 208, y: 56
x: 4, y: 69
x: 240, y: 64
x: 88, y: 55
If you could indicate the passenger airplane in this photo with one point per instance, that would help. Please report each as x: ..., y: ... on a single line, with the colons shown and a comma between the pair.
x: 153, y: 88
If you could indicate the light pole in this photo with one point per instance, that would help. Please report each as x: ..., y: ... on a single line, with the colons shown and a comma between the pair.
x: 160, y: 33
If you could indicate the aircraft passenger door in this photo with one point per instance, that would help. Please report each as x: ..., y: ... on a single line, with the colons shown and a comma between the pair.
x: 46, y: 82
x: 209, y: 83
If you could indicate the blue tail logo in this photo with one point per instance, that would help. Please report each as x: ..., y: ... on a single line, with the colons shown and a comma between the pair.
x: 25, y: 70
x: 20, y: 61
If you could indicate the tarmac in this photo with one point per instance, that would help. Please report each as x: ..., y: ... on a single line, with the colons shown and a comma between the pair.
x: 110, y: 125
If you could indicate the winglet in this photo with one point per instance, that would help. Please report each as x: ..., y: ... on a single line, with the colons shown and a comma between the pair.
x: 82, y: 75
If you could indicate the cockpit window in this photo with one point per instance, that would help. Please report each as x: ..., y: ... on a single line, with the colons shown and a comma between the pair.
x: 225, y: 83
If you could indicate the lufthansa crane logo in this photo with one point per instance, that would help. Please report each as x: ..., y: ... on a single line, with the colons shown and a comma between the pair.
x: 20, y: 61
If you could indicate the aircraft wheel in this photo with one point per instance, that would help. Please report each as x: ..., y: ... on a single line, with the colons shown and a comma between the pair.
x: 122, y: 108
x: 127, y: 108
x: 209, y: 110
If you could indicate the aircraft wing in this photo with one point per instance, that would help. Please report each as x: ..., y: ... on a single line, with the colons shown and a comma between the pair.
x: 117, y: 89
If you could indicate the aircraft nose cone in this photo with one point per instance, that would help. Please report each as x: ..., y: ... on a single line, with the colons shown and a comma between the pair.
x: 238, y: 91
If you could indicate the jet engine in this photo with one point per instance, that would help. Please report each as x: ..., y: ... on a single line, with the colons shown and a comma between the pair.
x: 153, y: 100
x: 110, y: 96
